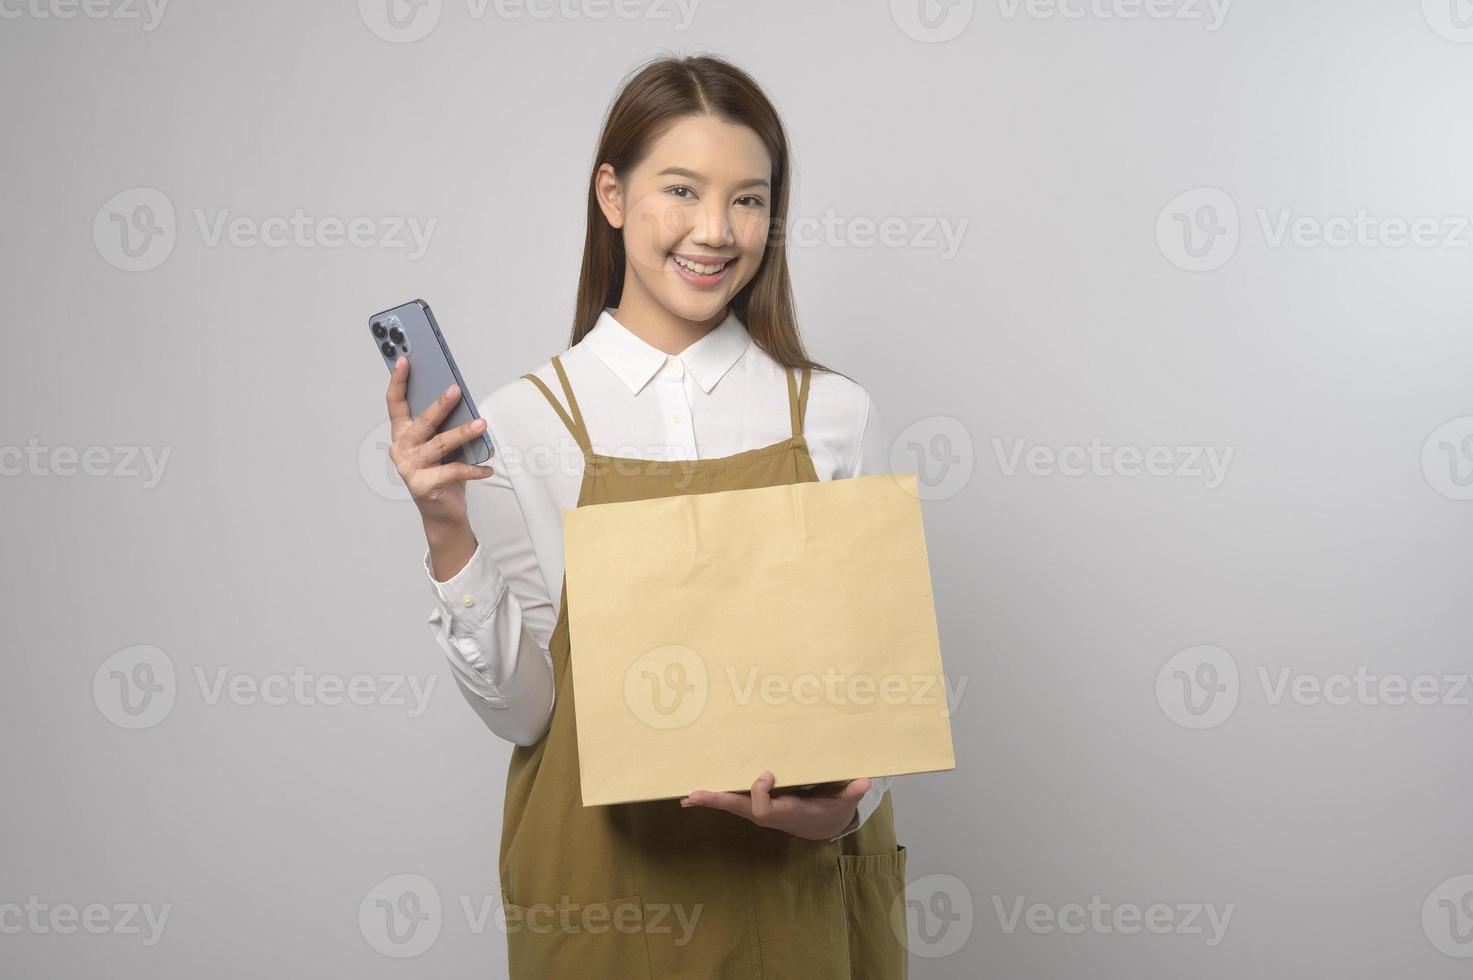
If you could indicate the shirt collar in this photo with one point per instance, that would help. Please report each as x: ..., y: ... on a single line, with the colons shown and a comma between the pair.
x: 636, y: 361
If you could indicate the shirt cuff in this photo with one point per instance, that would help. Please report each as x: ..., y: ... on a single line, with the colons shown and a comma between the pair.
x: 469, y: 596
x: 868, y: 803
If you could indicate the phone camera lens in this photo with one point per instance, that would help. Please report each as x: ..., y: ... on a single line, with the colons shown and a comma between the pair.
x: 386, y: 348
x: 396, y: 335
x: 379, y: 331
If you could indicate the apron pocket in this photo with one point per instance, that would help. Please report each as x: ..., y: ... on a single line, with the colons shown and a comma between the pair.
x: 874, y: 910
x: 596, y: 939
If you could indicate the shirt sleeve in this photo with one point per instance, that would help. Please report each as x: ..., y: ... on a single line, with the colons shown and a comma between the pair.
x: 872, y: 449
x: 480, y: 621
x: 871, y: 458
x: 879, y: 786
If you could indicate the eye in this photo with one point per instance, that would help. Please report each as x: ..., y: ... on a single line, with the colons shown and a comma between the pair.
x: 751, y: 201
x: 677, y: 190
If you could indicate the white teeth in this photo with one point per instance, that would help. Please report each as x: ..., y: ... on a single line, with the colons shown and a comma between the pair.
x: 698, y: 268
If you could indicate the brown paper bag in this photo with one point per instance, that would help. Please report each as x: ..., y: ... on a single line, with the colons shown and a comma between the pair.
x: 789, y: 628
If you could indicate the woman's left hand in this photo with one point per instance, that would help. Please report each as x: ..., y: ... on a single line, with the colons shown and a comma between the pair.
x: 817, y: 814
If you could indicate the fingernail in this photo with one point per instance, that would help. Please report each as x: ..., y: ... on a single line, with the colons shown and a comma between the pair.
x: 686, y: 802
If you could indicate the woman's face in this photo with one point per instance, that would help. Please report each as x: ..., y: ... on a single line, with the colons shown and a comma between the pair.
x: 695, y: 214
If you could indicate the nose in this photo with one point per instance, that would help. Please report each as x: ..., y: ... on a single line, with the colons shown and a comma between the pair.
x: 713, y: 228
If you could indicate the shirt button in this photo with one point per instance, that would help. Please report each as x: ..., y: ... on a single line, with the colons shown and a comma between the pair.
x: 676, y: 417
x: 673, y: 367
x: 467, y: 601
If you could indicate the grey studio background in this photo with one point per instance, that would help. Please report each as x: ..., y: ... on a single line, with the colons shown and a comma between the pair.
x: 1168, y: 302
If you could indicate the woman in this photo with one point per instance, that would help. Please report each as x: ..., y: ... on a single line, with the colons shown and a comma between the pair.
x: 684, y: 347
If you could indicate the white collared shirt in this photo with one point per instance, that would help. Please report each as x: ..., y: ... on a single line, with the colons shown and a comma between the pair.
x: 721, y: 395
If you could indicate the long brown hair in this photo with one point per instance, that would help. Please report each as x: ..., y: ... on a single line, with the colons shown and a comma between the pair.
x: 650, y: 99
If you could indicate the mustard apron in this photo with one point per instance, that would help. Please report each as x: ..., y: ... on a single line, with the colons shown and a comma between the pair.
x: 640, y: 891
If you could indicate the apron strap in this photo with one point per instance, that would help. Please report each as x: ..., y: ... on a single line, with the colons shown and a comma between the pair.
x: 575, y: 424
x: 797, y: 400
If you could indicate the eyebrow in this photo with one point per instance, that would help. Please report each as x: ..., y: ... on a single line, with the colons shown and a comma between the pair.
x: 692, y: 175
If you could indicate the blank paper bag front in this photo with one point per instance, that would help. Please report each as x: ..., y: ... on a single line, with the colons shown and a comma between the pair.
x: 790, y: 628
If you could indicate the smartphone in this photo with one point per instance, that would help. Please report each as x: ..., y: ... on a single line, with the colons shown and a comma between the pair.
x: 411, y: 331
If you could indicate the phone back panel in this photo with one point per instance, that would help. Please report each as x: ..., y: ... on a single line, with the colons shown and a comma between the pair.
x: 431, y: 370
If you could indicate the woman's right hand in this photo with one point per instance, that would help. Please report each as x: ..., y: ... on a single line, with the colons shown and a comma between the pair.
x: 438, y: 488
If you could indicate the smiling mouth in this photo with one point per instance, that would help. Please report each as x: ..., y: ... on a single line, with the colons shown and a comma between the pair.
x: 700, y: 268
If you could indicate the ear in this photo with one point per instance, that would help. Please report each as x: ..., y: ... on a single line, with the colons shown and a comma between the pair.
x: 610, y: 195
